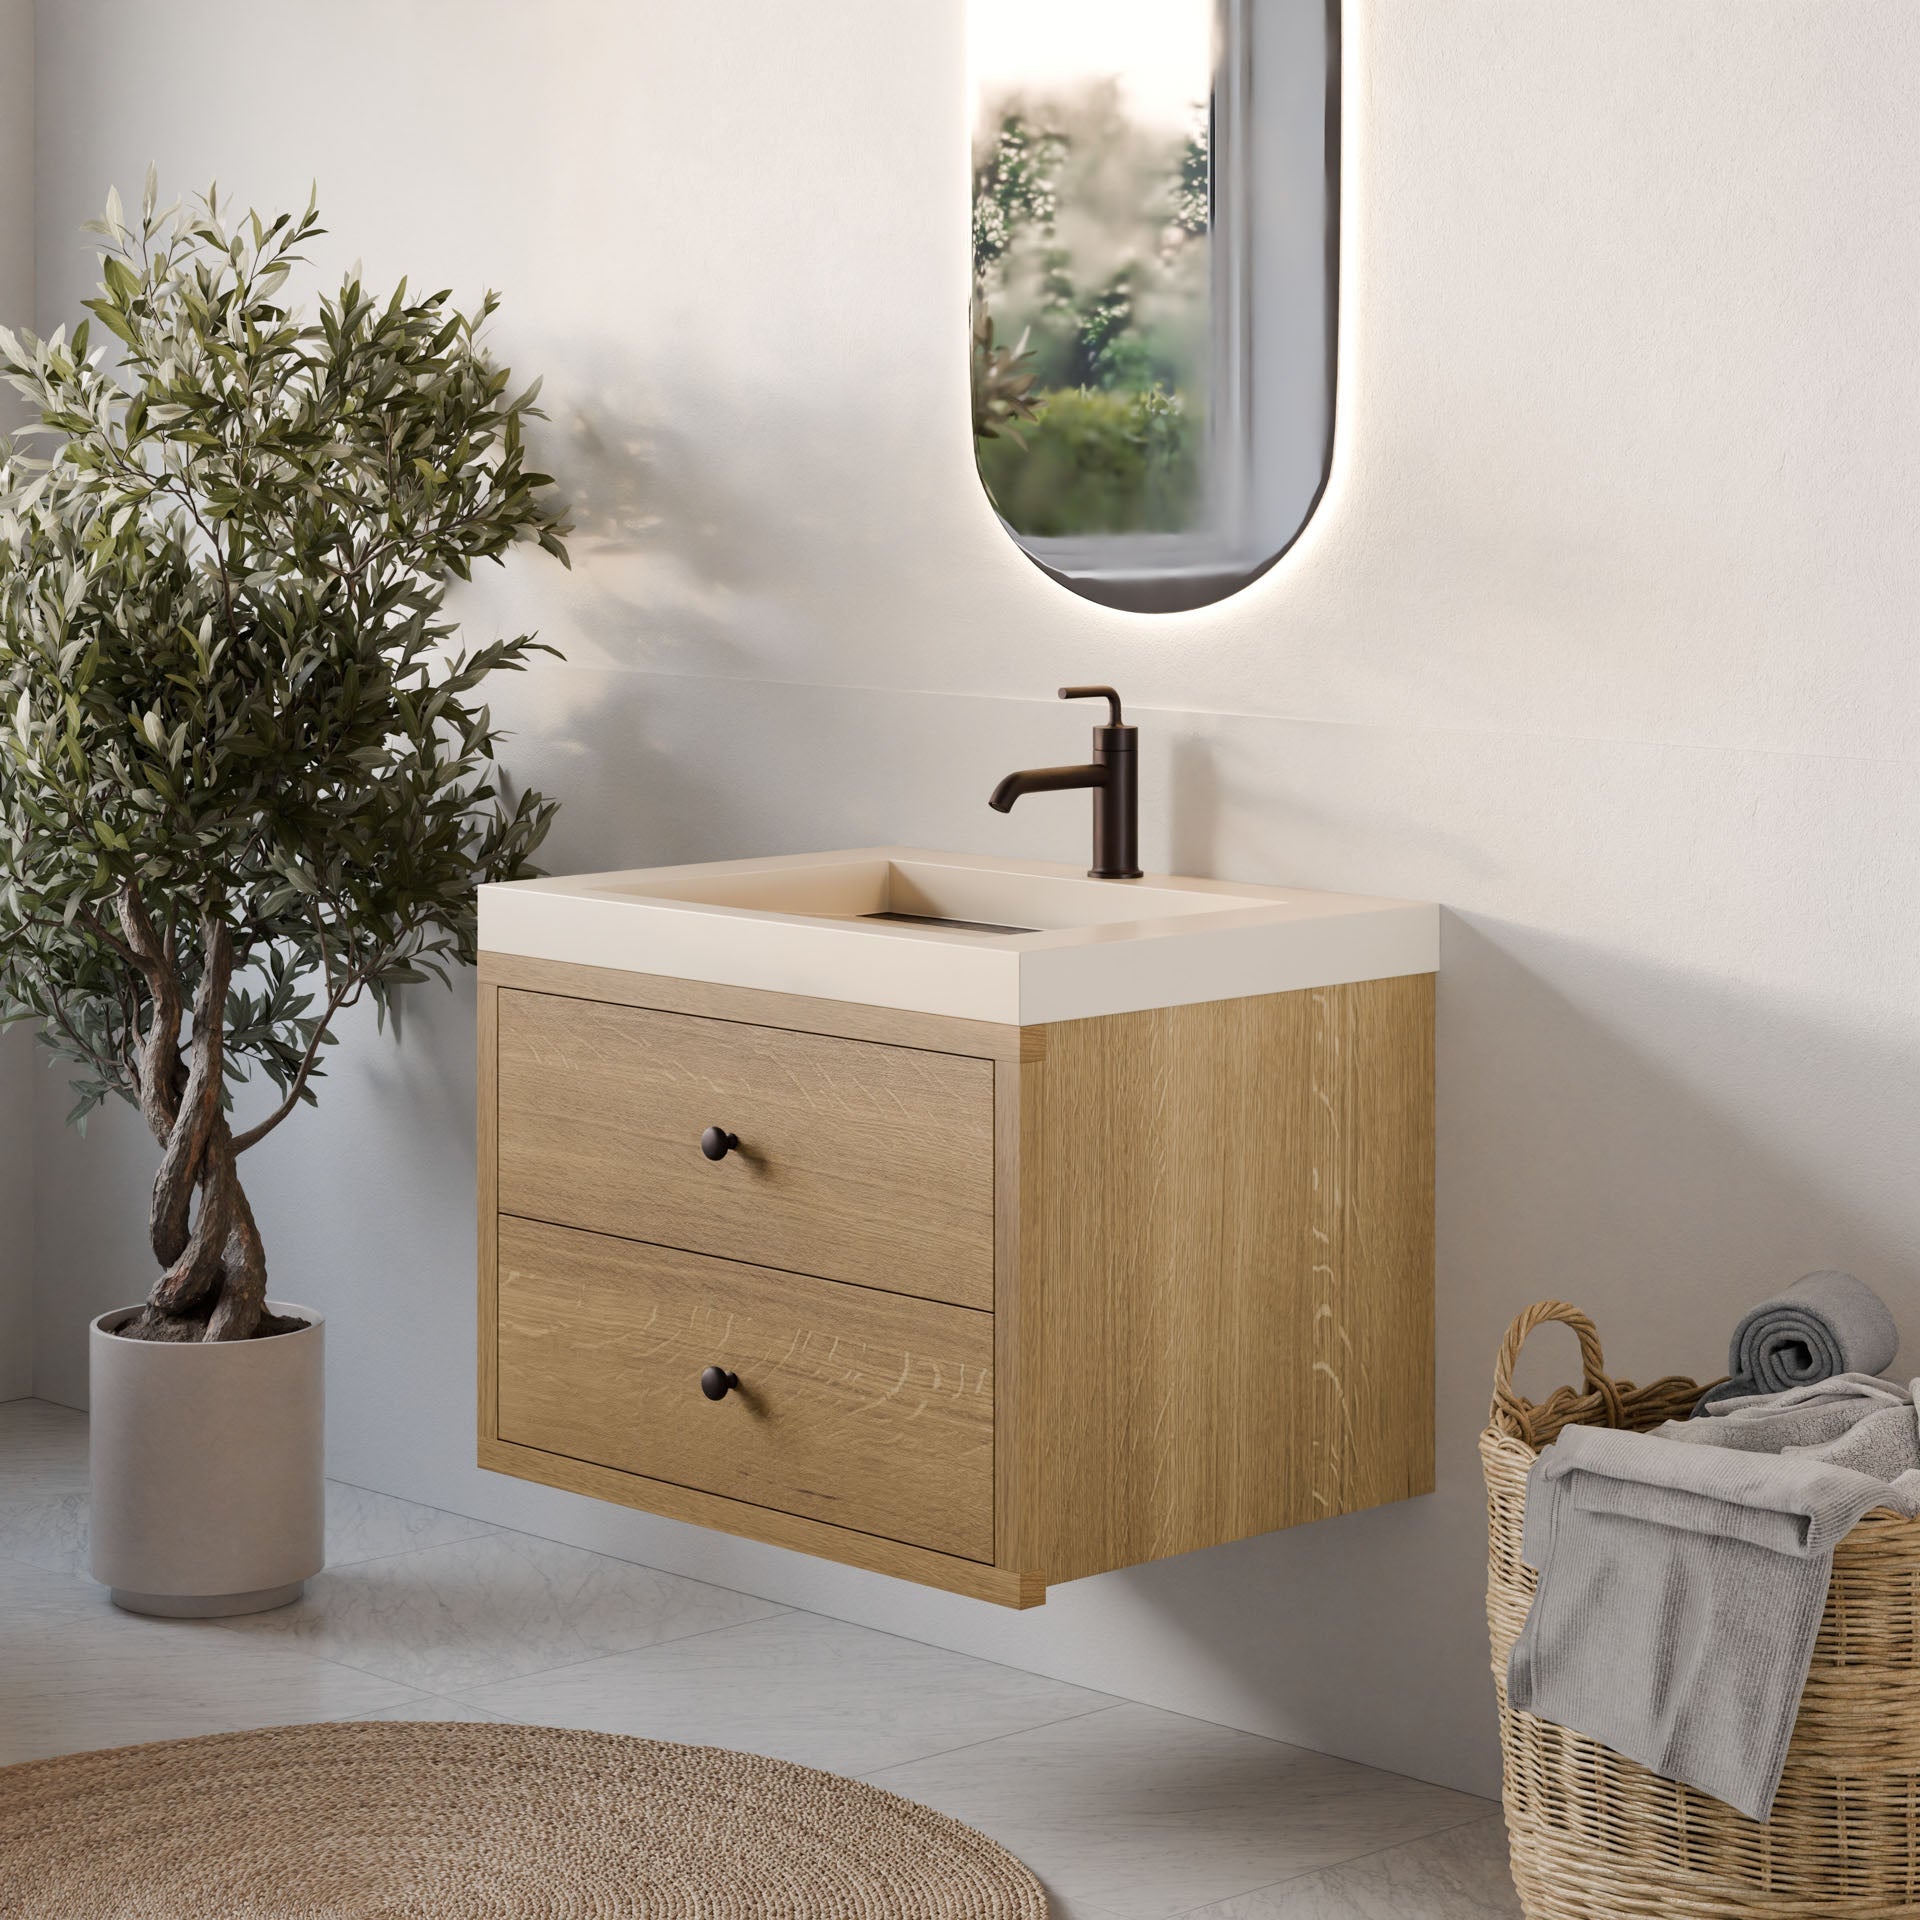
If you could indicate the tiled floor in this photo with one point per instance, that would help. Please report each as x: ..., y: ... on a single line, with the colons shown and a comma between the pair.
x: 1126, y: 1812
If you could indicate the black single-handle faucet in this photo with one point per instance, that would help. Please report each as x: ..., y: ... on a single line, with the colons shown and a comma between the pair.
x: 1113, y: 774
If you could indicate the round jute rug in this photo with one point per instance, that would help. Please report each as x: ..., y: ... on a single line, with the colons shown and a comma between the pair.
x: 391, y: 1820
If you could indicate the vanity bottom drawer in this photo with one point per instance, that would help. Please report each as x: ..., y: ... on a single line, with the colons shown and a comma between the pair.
x: 864, y: 1409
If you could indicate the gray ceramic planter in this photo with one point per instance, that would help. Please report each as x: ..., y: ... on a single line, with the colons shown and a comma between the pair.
x: 207, y: 1469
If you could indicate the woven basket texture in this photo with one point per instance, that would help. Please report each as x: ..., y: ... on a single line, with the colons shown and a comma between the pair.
x: 454, y: 1821
x: 1595, y: 1837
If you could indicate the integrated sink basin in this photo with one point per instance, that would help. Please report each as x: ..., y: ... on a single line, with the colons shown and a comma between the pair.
x: 1020, y: 943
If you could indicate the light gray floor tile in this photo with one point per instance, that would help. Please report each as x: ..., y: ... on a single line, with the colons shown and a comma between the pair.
x: 48, y: 1528
x: 798, y: 1687
x: 42, y: 1594
x: 433, y: 1706
x: 48, y: 1531
x: 43, y: 1450
x: 1457, y: 1875
x: 43, y: 1484
x: 111, y: 1680
x: 453, y: 1617
x: 364, y: 1525
x: 1151, y: 1814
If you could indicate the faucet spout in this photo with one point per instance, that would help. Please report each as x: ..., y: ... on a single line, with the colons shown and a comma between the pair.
x: 1044, y: 780
x: 1113, y: 776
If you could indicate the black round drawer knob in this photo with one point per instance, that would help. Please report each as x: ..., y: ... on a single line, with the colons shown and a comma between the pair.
x: 716, y: 1143
x: 716, y: 1383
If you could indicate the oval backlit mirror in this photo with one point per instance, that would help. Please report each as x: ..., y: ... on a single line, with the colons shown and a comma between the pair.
x: 1154, y: 208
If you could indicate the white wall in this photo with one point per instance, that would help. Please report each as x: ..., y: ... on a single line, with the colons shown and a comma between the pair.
x: 1604, y: 636
x: 16, y: 309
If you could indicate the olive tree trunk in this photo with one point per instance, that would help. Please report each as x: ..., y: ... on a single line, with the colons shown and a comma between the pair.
x: 213, y: 1281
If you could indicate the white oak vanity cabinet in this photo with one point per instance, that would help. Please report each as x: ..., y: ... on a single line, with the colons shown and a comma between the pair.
x: 985, y: 1304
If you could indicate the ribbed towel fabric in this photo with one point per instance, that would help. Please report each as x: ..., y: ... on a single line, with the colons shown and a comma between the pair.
x: 1680, y: 1593
x: 1824, y: 1324
x: 1852, y: 1420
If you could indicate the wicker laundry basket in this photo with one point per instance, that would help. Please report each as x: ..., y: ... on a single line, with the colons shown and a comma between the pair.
x: 1595, y: 1837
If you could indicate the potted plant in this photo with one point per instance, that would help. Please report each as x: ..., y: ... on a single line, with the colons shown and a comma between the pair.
x: 246, y: 784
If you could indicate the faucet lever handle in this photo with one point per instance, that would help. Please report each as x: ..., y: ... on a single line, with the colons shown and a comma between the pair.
x: 1097, y: 693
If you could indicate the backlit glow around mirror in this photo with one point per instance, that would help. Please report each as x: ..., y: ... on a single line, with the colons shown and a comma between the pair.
x: 1133, y: 216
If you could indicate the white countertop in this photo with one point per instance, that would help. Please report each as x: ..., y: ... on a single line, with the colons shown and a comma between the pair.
x: 1060, y: 947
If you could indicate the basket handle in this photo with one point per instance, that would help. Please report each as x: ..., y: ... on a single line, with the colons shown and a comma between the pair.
x: 1593, y: 1363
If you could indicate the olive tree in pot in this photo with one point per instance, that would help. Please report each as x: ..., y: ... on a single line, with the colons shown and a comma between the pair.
x: 246, y: 783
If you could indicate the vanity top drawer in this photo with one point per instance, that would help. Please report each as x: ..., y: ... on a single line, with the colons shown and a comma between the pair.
x: 870, y: 1410
x: 855, y: 1161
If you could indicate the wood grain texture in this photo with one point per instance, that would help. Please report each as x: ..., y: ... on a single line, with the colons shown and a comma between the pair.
x: 1373, y: 1199
x: 1210, y: 1268
x: 1014, y: 1385
x: 973, y: 1578
x: 1217, y: 1316
x: 487, y: 1197
x: 857, y: 1161
x: 864, y: 1409
x: 800, y: 1013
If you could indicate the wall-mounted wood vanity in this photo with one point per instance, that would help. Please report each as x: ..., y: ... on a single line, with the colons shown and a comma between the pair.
x: 986, y: 1304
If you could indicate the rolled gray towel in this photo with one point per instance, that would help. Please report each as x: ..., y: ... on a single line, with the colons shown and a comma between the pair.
x: 1824, y: 1324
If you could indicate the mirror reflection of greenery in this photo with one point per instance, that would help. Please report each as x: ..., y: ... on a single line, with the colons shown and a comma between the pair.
x: 1091, y: 314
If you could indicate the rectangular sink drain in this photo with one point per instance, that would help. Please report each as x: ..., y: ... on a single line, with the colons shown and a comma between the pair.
x: 955, y: 926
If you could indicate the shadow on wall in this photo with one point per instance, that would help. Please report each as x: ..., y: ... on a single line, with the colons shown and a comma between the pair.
x: 654, y: 769
x: 676, y: 556
x: 638, y: 786
x: 678, y: 570
x: 707, y: 550
x: 1582, y: 1155
x: 666, y: 560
